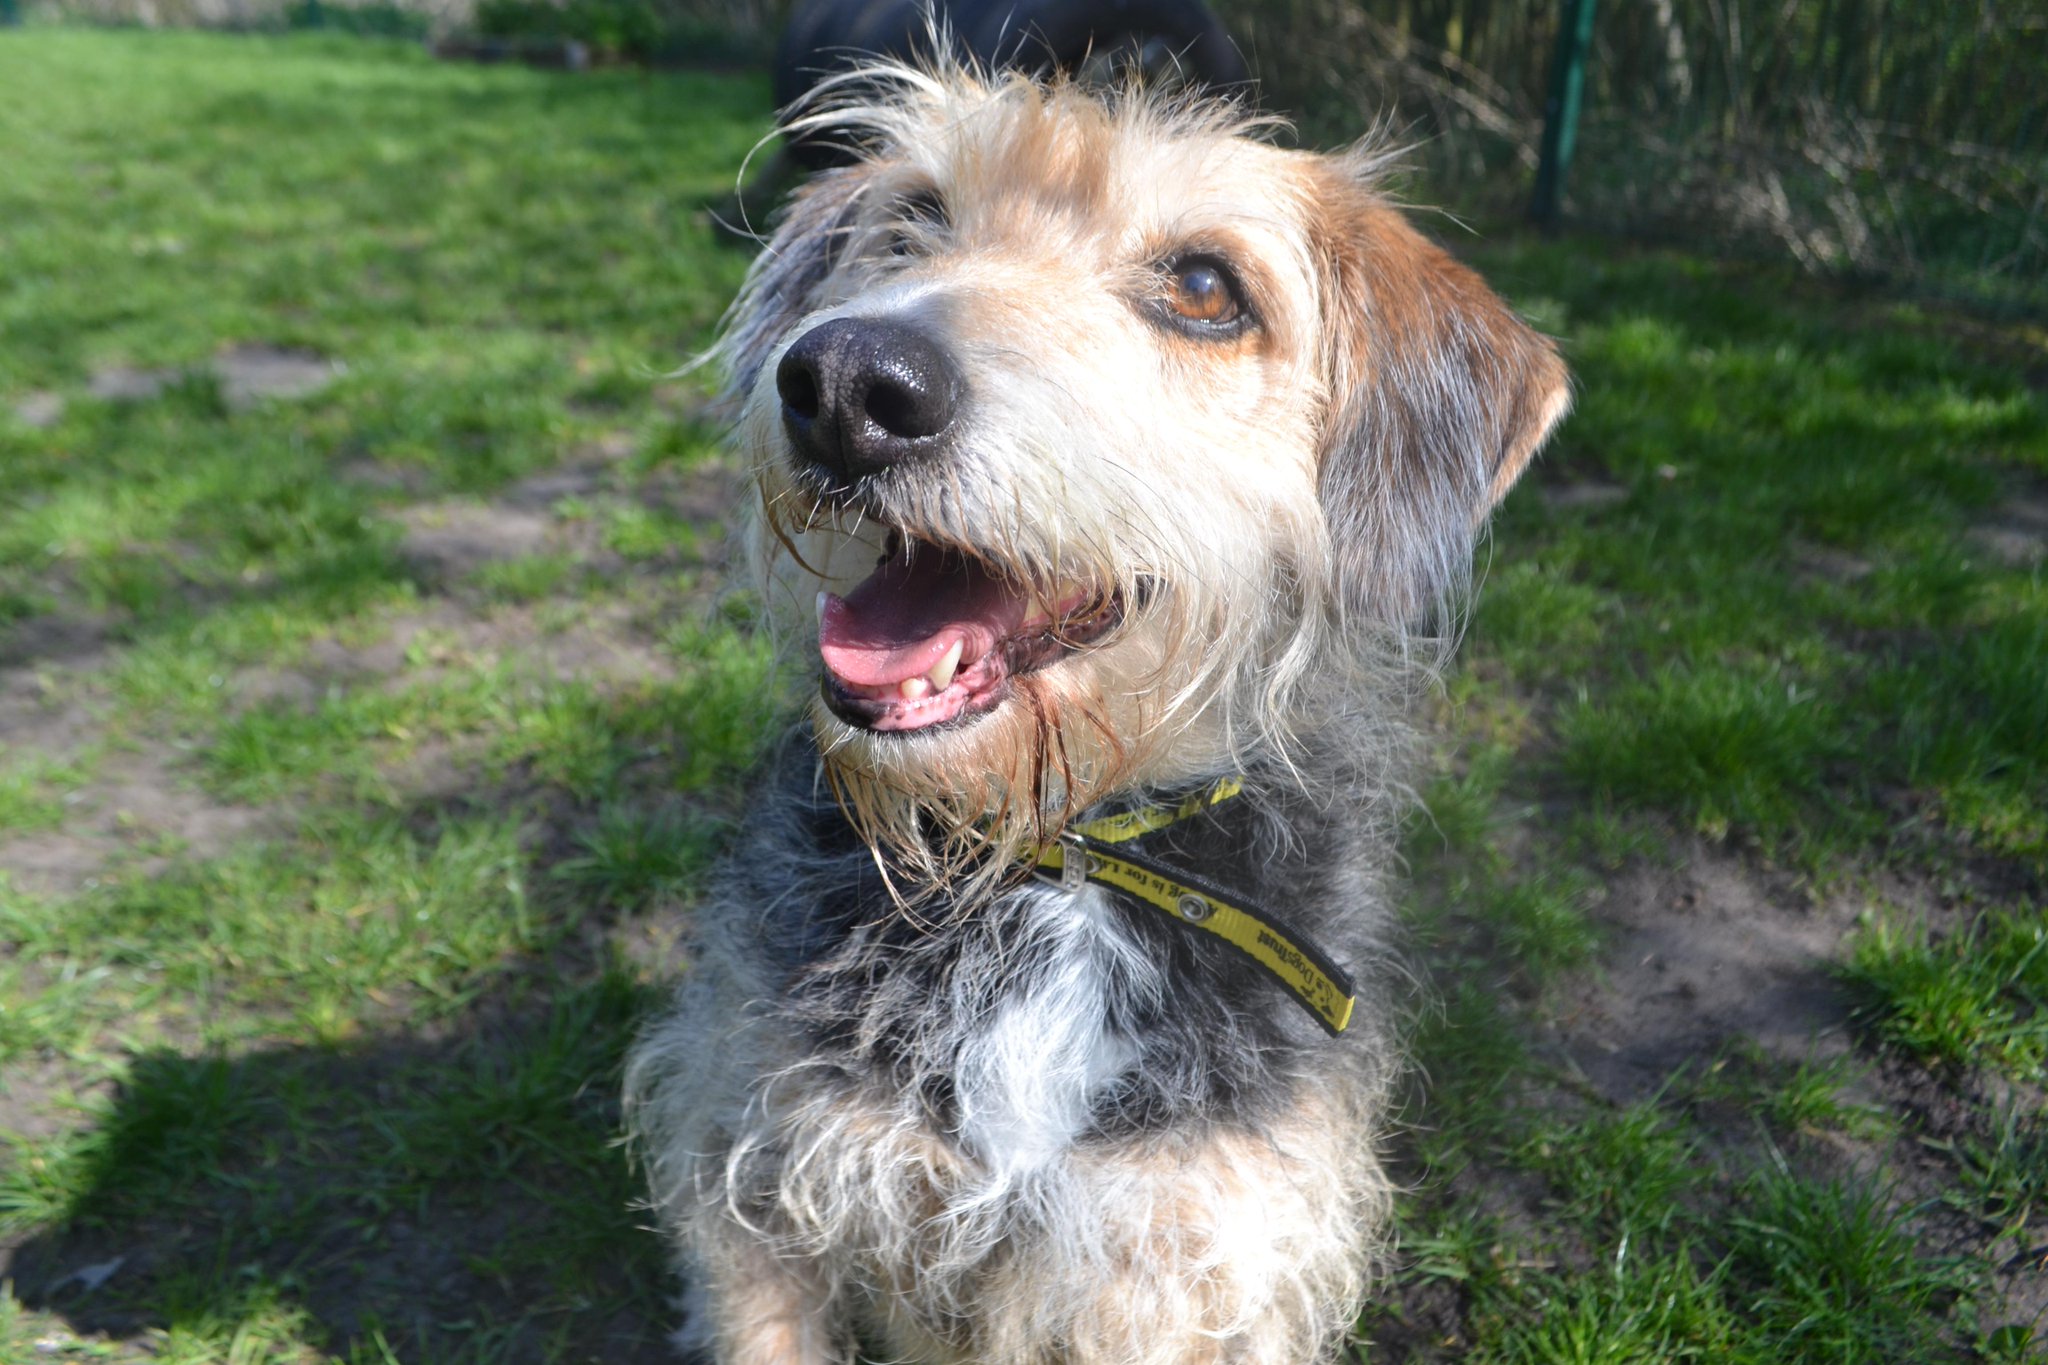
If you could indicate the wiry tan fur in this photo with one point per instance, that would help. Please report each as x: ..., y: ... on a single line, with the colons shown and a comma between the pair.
x: 1290, y: 518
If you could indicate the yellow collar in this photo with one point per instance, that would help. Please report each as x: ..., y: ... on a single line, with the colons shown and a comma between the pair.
x: 1324, y: 989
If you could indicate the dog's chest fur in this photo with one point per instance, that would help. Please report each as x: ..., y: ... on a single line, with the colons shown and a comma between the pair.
x: 1047, y: 1018
x: 1030, y: 1099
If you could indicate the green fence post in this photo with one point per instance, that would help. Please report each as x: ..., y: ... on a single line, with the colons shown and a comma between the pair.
x: 1561, y: 110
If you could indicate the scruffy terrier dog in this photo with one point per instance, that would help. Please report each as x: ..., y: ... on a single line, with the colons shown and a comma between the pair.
x: 1044, y: 1013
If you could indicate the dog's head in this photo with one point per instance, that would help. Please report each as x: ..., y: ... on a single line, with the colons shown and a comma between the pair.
x: 1106, y: 437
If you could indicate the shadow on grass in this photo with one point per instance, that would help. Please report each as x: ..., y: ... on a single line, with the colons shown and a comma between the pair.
x: 446, y: 1184
x: 459, y: 1196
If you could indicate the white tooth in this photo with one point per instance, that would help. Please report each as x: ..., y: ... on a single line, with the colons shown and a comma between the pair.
x: 913, y: 689
x: 823, y: 596
x: 942, y: 676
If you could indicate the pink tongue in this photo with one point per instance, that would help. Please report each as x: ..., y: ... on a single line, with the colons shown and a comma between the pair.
x: 902, y: 620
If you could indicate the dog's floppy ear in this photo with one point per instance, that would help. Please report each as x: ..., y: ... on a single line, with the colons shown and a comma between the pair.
x: 1439, y: 397
x: 782, y: 284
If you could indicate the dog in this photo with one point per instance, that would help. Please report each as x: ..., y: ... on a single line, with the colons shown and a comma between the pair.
x: 1118, y: 477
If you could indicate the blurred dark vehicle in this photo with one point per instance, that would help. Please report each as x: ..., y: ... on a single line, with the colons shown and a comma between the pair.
x: 1169, y: 43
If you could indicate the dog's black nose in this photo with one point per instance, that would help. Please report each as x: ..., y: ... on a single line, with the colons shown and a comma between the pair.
x: 862, y: 394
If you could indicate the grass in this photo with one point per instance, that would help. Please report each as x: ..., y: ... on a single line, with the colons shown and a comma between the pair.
x: 1977, y: 997
x: 1749, y: 618
x: 329, y: 957
x: 2004, y: 1171
x: 635, y: 857
x: 367, y: 748
x: 32, y: 793
x: 1775, y: 611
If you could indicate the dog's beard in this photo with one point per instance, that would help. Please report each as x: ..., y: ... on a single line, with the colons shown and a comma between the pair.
x: 1139, y: 693
x: 967, y: 811
x: 958, y: 787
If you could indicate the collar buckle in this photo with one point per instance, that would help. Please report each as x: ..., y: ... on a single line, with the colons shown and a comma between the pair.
x: 1073, y: 870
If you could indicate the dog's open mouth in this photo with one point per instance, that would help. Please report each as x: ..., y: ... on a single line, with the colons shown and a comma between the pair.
x: 934, y: 635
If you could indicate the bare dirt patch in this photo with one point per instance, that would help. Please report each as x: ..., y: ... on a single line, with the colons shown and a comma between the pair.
x: 1719, y: 978
x: 136, y: 807
x: 446, y: 542
x: 1701, y: 953
x: 254, y: 373
x: 39, y: 410
x: 1583, y: 494
x: 138, y: 811
x: 71, y: 638
x: 248, y: 374
x: 1830, y: 563
x: 143, y: 803
x: 128, y: 384
x: 2016, y: 533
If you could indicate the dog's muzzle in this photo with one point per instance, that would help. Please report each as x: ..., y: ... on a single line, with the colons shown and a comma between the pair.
x: 861, y: 395
x: 937, y: 633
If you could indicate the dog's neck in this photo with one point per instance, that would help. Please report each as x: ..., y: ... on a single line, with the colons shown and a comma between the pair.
x: 1184, y: 881
x: 1217, y: 856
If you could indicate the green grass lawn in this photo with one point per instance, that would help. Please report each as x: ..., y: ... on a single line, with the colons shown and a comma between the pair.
x: 362, y: 747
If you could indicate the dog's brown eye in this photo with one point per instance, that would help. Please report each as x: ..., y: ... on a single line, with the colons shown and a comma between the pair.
x: 1202, y: 291
x: 916, y: 216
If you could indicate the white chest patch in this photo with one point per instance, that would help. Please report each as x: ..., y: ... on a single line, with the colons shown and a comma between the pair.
x: 1029, y: 1079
